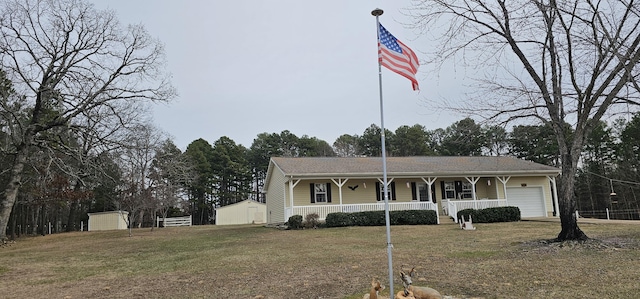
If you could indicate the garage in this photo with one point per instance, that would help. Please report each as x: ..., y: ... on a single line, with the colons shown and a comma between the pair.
x: 530, y: 200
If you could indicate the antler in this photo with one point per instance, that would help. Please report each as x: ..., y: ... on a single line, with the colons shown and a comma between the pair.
x: 406, y: 278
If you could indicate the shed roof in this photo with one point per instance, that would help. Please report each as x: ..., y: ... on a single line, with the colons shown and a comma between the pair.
x: 243, y: 202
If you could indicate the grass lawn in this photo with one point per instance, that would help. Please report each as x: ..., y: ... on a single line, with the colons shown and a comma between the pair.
x: 500, y: 260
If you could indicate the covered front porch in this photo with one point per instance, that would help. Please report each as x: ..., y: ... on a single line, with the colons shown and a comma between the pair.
x: 444, y: 195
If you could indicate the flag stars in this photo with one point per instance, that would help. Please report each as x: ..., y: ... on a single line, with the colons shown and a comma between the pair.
x: 396, y: 56
x: 389, y: 40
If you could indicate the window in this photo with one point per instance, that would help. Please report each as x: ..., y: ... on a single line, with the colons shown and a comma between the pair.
x: 467, y: 190
x: 449, y: 190
x: 320, y: 192
x: 423, y: 192
x: 391, y: 191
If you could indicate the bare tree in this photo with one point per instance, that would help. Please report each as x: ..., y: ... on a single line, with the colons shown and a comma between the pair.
x: 136, y: 161
x: 67, y: 61
x: 170, y: 174
x: 565, y: 63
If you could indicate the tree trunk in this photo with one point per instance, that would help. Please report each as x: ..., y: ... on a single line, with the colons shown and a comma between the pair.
x: 71, y: 219
x: 14, y: 222
x: 42, y: 227
x: 567, y: 202
x: 11, y: 191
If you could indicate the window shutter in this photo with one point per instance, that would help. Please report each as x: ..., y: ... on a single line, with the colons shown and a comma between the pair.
x: 414, y: 195
x: 444, y: 195
x: 393, y: 190
x: 378, y: 191
x: 458, y: 186
x: 311, y: 188
x: 433, y: 193
x: 328, y: 192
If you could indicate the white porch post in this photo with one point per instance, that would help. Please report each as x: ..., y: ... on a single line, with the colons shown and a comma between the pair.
x: 340, y: 183
x: 504, y: 181
x: 388, y: 181
x: 473, y: 181
x: 291, y: 186
x: 429, y: 181
x: 555, y: 194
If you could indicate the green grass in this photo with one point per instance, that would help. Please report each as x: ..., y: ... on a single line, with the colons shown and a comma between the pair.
x: 472, y: 254
x: 498, y: 260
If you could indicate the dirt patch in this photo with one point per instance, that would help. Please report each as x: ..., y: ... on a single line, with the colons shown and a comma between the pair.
x: 603, y: 244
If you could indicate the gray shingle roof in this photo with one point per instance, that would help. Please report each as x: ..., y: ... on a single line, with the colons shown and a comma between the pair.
x: 431, y: 165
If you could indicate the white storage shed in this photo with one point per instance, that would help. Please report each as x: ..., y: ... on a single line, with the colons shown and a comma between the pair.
x: 244, y: 212
x: 109, y: 220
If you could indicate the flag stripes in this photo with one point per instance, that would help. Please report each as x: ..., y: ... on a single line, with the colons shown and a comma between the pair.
x: 397, y: 57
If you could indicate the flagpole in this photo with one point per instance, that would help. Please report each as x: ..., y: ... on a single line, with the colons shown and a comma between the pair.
x: 377, y: 13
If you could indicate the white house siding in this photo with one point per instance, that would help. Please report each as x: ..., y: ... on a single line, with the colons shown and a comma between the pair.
x: 276, y: 197
x: 244, y: 212
x: 364, y: 193
x: 111, y: 220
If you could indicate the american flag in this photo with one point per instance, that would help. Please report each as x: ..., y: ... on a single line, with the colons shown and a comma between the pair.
x: 397, y: 57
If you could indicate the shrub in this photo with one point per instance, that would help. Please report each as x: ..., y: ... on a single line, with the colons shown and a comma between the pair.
x: 413, y: 217
x: 338, y: 220
x: 311, y: 220
x: 377, y: 218
x: 370, y: 218
x: 295, y: 222
x: 489, y: 215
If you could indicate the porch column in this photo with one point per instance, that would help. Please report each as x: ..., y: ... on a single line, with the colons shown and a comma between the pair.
x: 389, y: 180
x: 291, y: 186
x: 504, y: 180
x: 340, y: 183
x: 555, y: 194
x: 429, y: 181
x: 473, y: 181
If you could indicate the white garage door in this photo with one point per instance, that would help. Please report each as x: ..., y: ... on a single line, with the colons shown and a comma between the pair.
x: 528, y: 199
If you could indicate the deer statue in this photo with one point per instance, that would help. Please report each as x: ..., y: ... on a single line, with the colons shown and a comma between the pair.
x: 376, y: 287
x: 404, y: 294
x: 417, y: 292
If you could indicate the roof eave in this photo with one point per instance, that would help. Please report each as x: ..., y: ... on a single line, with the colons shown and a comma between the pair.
x: 424, y: 174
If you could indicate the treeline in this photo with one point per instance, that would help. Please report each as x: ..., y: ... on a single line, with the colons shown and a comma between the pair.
x: 149, y: 175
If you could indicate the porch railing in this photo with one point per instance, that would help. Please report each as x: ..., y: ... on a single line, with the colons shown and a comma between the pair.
x: 453, y: 206
x: 324, y: 210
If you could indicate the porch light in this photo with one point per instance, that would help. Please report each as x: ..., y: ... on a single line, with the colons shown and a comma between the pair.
x: 488, y: 182
x: 408, y: 185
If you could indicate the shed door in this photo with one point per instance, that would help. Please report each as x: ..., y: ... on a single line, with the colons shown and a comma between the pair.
x: 251, y: 214
x: 529, y: 199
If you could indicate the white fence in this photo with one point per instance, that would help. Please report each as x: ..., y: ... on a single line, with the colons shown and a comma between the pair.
x: 324, y: 210
x: 174, y: 221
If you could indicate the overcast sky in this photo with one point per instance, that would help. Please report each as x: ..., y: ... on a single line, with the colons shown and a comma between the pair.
x: 246, y: 67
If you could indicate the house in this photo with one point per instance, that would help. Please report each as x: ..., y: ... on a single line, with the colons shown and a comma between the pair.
x: 109, y: 220
x: 244, y: 212
x: 323, y: 185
